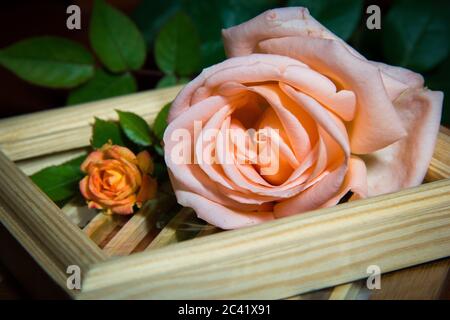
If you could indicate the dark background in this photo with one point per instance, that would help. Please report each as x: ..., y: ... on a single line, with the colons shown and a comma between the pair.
x: 24, y: 19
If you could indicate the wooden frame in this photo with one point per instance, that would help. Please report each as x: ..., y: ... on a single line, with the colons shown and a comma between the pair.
x: 278, y: 259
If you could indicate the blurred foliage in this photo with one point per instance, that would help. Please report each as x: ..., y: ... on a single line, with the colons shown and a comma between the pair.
x: 60, y: 182
x: 181, y: 37
x: 416, y: 34
x: 115, y: 39
x: 104, y: 131
x: 49, y: 61
x: 101, y: 85
x: 177, y: 47
x: 208, y: 16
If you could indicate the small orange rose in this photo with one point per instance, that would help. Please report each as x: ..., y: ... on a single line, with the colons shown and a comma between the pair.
x: 117, y: 179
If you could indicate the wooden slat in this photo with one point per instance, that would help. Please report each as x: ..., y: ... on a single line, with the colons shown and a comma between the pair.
x: 439, y: 169
x: 39, y: 225
x: 440, y: 163
x: 171, y: 233
x: 30, y: 166
x: 423, y: 282
x: 142, y: 224
x: 33, y: 135
x: 319, y: 249
x: 101, y: 226
x: 69, y: 128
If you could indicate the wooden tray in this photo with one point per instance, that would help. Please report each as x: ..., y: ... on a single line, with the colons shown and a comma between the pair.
x: 142, y: 257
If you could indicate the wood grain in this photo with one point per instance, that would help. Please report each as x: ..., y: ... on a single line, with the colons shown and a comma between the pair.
x: 422, y: 282
x: 440, y: 163
x: 275, y: 260
x: 39, y: 225
x: 319, y: 249
x: 69, y: 128
x: 168, y: 235
x: 399, y: 282
x: 425, y: 281
x: 101, y: 226
x: 142, y: 224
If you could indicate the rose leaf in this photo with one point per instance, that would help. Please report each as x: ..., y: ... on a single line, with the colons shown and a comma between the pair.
x: 116, y: 39
x: 49, y: 61
x: 160, y: 124
x: 177, y: 46
x: 168, y: 80
x: 416, y: 33
x: 103, y: 85
x: 135, y: 128
x: 105, y: 131
x: 60, y: 182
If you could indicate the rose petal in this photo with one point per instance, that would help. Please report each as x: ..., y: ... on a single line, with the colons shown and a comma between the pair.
x: 118, y: 153
x: 313, y: 197
x: 84, y: 187
x: 294, y: 33
x: 355, y: 180
x: 123, y: 210
x: 94, y: 205
x: 145, y: 162
x: 372, y: 127
x: 147, y: 190
x: 405, y: 163
x: 93, y: 157
x: 219, y: 215
x: 228, y: 70
x: 243, y: 39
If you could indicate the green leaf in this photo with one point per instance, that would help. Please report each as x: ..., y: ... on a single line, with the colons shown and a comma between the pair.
x: 60, y: 182
x: 116, y: 39
x: 167, y: 81
x: 135, y: 128
x: 183, y: 80
x: 49, y: 61
x: 160, y: 124
x: 416, y: 33
x: 103, y: 85
x: 209, y: 17
x: 340, y: 16
x: 151, y: 15
x: 170, y: 80
x: 177, y: 46
x: 104, y: 131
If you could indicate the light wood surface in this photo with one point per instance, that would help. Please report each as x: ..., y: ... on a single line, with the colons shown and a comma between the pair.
x: 142, y: 224
x: 420, y: 282
x: 440, y: 163
x: 279, y: 259
x: 33, y: 165
x: 41, y: 227
x: 69, y: 128
x: 168, y: 235
x: 292, y: 255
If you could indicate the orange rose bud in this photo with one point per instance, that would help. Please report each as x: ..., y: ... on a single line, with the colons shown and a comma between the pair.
x: 116, y: 179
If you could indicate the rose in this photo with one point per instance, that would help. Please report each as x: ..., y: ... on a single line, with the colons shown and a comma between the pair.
x: 345, y: 123
x: 117, y: 179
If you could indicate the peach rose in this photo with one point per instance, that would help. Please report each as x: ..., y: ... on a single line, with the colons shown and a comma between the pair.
x: 345, y: 123
x: 117, y: 179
